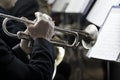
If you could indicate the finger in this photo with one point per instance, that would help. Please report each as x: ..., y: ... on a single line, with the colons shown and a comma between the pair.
x: 38, y: 16
x: 48, y: 19
x: 26, y: 31
x: 25, y: 22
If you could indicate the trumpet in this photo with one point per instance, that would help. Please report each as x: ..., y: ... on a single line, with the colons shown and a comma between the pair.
x: 88, y: 39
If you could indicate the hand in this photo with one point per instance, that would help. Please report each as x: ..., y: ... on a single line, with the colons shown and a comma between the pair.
x: 42, y: 28
x: 24, y: 44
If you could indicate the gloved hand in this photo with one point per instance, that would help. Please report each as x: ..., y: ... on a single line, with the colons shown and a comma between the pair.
x: 42, y: 28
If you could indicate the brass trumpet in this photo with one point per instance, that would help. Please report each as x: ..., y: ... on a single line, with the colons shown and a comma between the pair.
x: 89, y: 35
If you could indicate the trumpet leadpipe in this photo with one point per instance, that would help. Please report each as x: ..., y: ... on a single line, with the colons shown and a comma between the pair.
x: 16, y: 18
x: 28, y: 21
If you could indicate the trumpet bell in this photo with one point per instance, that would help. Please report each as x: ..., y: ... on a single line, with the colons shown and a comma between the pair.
x: 92, y: 36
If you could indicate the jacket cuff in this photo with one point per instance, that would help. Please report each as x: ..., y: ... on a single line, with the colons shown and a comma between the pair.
x: 45, y: 44
x: 19, y: 53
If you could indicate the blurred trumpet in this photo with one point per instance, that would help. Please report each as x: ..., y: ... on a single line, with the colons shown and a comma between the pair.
x: 87, y: 37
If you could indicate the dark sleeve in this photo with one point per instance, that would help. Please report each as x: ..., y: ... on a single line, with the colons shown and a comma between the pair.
x: 20, y: 54
x: 40, y: 67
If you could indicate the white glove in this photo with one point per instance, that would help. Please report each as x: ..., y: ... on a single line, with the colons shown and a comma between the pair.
x: 42, y: 28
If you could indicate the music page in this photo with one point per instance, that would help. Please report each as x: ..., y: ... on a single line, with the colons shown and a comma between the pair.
x: 100, y: 10
x: 107, y: 46
x: 60, y: 5
x: 77, y: 6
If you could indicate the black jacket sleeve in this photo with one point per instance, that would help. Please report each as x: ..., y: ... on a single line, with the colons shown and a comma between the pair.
x: 40, y: 66
x: 20, y: 54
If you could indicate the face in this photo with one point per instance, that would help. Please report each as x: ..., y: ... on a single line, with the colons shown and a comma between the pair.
x: 11, y: 3
x: 7, y: 3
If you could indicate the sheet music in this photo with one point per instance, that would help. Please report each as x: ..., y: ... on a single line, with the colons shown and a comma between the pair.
x: 100, y: 10
x: 60, y: 5
x: 50, y: 1
x: 77, y: 6
x: 107, y: 46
